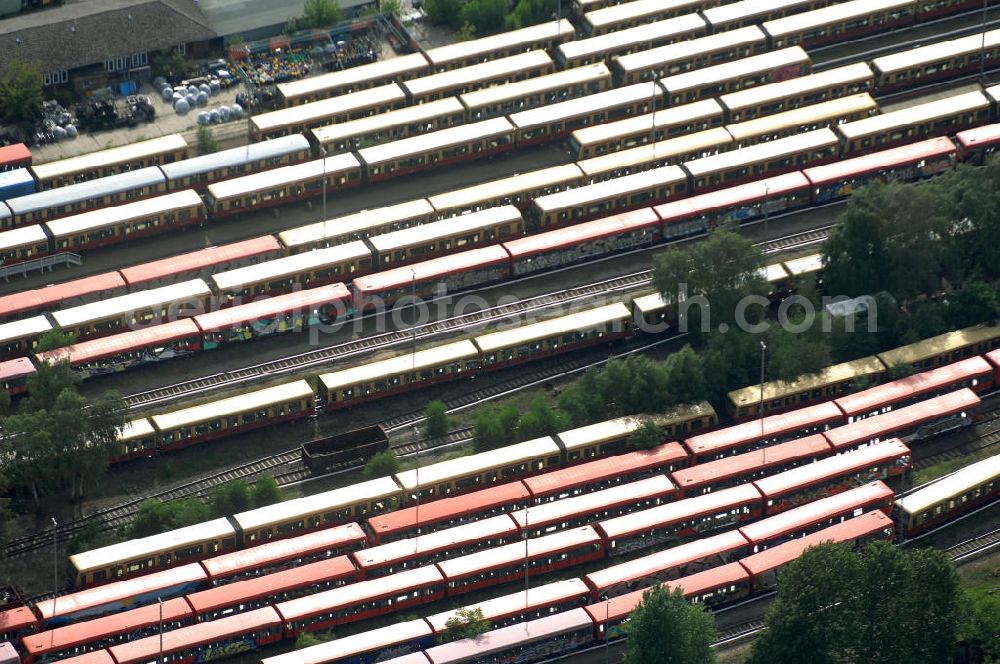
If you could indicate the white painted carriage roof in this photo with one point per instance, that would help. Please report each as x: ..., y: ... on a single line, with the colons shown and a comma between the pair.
x: 354, y: 222
x: 765, y: 62
x: 676, y: 115
x: 543, y: 177
x: 114, y: 215
x: 942, y: 343
x: 637, y: 9
x: 539, y: 448
x: 349, y: 77
x: 346, y: 648
x: 751, y: 97
x: 111, y: 307
x: 837, y: 373
x: 21, y: 236
x: 953, y: 485
x: 937, y: 51
x: 600, y: 432
x: 537, y: 596
x: 598, y: 191
x: 430, y: 357
x: 206, y: 412
x: 518, y: 89
x: 640, y: 34
x: 586, y: 105
x: 275, y: 147
x: 290, y: 265
x: 399, y: 117
x: 427, y: 233
x: 442, y: 55
x: 579, y: 321
x: 28, y: 327
x: 835, y: 13
x: 73, y: 193
x: 650, y: 152
x: 136, y: 429
x: 804, y: 115
x: 435, y: 140
x: 804, y: 265
x: 782, y: 147
x: 277, y: 177
x: 736, y: 11
x: 101, y: 158
x: 682, y: 50
x: 291, y: 510
x: 324, y: 108
x: 912, y: 115
x: 476, y: 74
x: 137, y: 549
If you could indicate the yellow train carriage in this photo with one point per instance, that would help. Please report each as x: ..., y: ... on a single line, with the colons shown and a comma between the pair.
x: 944, y: 348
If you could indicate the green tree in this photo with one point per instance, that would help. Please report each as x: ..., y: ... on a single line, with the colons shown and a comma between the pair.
x: 169, y: 64
x: 488, y: 16
x: 232, y: 497
x: 530, y: 12
x: 309, y: 639
x: 467, y: 32
x: 900, y: 370
x: 977, y: 302
x: 443, y: 12
x: 465, y: 624
x: 979, y: 629
x: 320, y: 14
x: 436, y: 415
x: 55, y: 338
x: 686, y: 376
x: 266, y: 491
x: 495, y: 425
x: 381, y: 465
x: 206, y: 140
x: 790, y: 355
x: 665, y: 629
x: 541, y: 420
x: 152, y: 518
x: 583, y: 401
x: 646, y: 437
x: 5, y: 403
x: 390, y: 7
x: 21, y: 92
x: 8, y: 523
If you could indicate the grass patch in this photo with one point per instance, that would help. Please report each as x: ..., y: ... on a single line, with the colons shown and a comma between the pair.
x: 951, y: 465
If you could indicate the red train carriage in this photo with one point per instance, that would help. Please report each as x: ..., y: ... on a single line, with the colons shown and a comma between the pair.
x: 977, y: 144
x: 285, y: 553
x: 765, y: 567
x: 202, y: 263
x: 14, y: 375
x: 361, y: 600
x: 974, y: 373
x: 404, y: 554
x: 518, y: 607
x: 17, y: 622
x: 833, y: 475
x: 95, y: 657
x: 994, y: 358
x: 670, y: 564
x: 202, y: 642
x: 910, y: 423
x: 681, y: 520
x: 448, y: 512
x: 729, y: 471
x: 779, y: 428
x: 374, y: 645
x: 609, y: 471
x: 549, y: 517
x: 67, y: 294
x: 250, y: 594
x: 79, y: 638
x: 819, y: 514
x: 507, y: 563
x: 14, y: 156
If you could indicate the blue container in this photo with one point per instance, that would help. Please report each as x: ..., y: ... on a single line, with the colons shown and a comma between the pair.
x: 16, y: 183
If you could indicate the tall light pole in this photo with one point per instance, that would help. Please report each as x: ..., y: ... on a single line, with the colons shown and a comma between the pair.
x: 323, y: 152
x: 607, y: 636
x: 55, y: 568
x: 160, y: 600
x: 982, y: 47
x: 760, y: 406
x: 767, y: 192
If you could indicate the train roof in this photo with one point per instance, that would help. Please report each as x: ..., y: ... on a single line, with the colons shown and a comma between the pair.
x: 613, y: 188
x: 952, y: 485
x: 399, y: 117
x: 442, y: 509
x: 577, y: 234
x: 605, y: 430
x: 102, y: 656
x: 765, y: 62
x: 748, y: 9
x: 114, y: 215
x: 641, y: 124
x: 132, y: 341
x: 678, y: 26
x: 182, y: 292
x: 350, y: 648
x: 499, y: 556
x: 575, y: 322
x: 752, y: 97
x: 771, y: 426
x: 301, y: 302
x: 435, y: 140
x: 317, y: 111
x: 676, y: 556
x: 833, y: 466
x: 845, y: 531
x: 437, y: 541
x: 499, y: 640
x: 356, y: 222
x: 837, y: 373
x: 828, y: 112
x: 679, y: 511
x: 248, y: 154
x: 16, y: 368
x: 477, y: 463
x: 874, y: 398
x: 15, y: 177
x: 15, y: 152
x: 948, y: 342
x: 586, y: 105
x: 290, y: 265
x: 21, y: 329
x: 517, y: 90
x: 593, y: 503
x: 817, y: 511
x: 358, y: 593
x: 17, y: 618
x: 836, y: 13
x: 484, y: 47
x: 202, y: 259
x: 777, y: 185
x: 934, y: 52
x: 201, y: 633
x: 877, y: 161
x: 477, y: 74
x: 769, y: 150
x: 277, y: 177
x: 248, y: 401
x: 50, y: 296
x: 505, y: 187
x: 900, y: 419
x: 435, y: 268
x: 419, y: 236
x: 328, y: 501
x: 146, y: 547
x: 21, y: 236
x: 258, y: 557
x: 372, y: 370
x: 636, y: 10
x: 710, y: 140
x: 662, y: 56
x: 101, y: 158
x: 82, y: 191
x: 729, y: 467
x: 135, y: 429
x: 403, y: 65
x: 913, y: 115
x: 804, y: 265
x: 617, y: 465
x: 538, y: 597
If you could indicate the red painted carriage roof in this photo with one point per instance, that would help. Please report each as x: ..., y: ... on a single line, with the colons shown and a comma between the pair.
x: 16, y: 368
x: 752, y: 191
x: 873, y: 398
x: 979, y: 136
x: 94, y: 657
x: 740, y: 464
x: 831, y: 467
x: 434, y: 268
x: 16, y: 619
x: 773, y: 425
x: 268, y: 307
x: 356, y: 593
x: 116, y: 344
x: 50, y: 296
x: 440, y: 540
x: 838, y: 170
x: 199, y: 260
x: 502, y: 607
x: 579, y: 233
x: 15, y: 153
x: 607, y: 468
x: 456, y: 568
x: 587, y: 504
